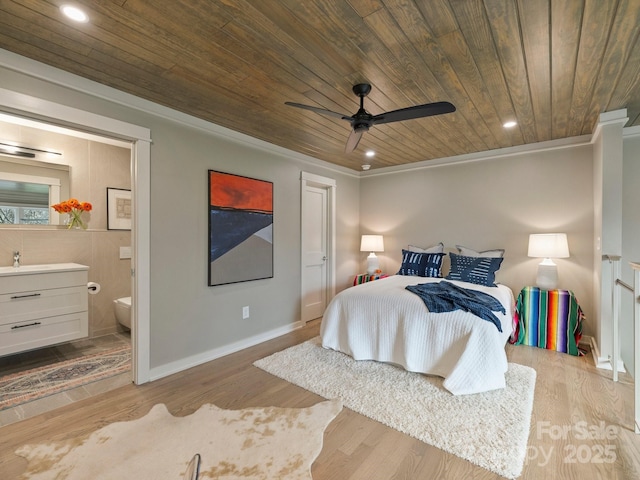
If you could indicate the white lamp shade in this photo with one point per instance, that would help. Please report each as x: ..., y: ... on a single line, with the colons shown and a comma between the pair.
x: 548, y: 245
x: 372, y: 243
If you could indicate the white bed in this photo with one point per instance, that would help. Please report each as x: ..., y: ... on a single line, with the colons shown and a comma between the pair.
x: 382, y: 321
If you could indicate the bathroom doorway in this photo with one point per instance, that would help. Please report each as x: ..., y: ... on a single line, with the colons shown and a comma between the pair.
x: 138, y: 153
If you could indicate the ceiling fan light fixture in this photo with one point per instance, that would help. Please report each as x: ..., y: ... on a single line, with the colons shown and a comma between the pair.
x: 362, y: 120
x: 74, y: 13
x: 370, y: 153
x: 509, y: 124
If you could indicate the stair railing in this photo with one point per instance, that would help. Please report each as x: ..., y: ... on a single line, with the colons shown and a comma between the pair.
x: 614, y: 260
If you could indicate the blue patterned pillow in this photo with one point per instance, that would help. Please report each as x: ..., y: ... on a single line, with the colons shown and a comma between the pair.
x: 478, y: 270
x: 421, y: 264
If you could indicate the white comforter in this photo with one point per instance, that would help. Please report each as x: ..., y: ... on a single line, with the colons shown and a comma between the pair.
x: 382, y: 321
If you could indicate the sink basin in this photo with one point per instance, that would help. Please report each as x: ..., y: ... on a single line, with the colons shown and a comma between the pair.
x: 46, y: 268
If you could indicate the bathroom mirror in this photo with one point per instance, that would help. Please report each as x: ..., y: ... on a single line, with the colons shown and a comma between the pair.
x: 28, y: 188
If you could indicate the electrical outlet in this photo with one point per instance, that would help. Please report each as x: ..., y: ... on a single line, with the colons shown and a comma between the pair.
x: 245, y: 312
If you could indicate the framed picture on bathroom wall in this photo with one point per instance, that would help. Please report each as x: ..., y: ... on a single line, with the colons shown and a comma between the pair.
x: 240, y: 228
x: 118, y: 209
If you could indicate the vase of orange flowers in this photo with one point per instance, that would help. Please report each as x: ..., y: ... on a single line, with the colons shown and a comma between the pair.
x: 74, y: 209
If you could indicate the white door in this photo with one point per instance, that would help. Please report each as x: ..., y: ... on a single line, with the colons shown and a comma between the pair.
x: 316, y: 221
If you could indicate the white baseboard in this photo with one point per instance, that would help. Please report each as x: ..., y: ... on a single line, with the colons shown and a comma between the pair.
x: 598, y: 360
x: 204, y: 357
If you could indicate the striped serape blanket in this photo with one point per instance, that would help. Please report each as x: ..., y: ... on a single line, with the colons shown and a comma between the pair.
x: 550, y: 319
x: 365, y: 277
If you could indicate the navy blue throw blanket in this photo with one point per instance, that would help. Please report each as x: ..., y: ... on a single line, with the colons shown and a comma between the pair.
x: 446, y: 297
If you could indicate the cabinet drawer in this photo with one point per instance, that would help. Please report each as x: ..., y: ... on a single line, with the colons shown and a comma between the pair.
x: 32, y: 304
x: 21, y: 336
x: 41, y: 281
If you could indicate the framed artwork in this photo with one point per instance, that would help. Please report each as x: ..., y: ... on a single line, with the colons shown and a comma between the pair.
x: 240, y: 228
x: 118, y: 209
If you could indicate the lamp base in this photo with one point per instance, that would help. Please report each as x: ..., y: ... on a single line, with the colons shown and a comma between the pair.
x: 373, y: 263
x: 547, y: 278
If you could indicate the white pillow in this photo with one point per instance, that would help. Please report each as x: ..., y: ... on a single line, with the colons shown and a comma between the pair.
x: 438, y: 248
x: 468, y: 252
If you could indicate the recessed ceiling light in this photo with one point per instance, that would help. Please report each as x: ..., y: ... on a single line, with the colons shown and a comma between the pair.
x: 370, y: 153
x: 509, y: 124
x: 74, y: 13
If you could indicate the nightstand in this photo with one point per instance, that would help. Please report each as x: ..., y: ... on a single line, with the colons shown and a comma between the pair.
x: 365, y: 277
x: 550, y: 319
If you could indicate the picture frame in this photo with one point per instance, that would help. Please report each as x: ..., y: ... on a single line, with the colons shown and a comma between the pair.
x: 240, y: 228
x: 119, y: 209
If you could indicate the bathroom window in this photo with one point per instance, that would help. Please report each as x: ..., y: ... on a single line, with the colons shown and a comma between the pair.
x: 24, y: 203
x: 26, y: 195
x: 10, y: 215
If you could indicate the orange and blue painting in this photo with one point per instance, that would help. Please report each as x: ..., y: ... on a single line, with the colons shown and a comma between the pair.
x: 240, y: 228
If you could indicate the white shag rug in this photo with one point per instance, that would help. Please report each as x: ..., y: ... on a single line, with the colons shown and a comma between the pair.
x: 253, y: 443
x: 488, y: 429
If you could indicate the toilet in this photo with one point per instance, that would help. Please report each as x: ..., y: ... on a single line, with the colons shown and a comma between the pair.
x: 122, y: 307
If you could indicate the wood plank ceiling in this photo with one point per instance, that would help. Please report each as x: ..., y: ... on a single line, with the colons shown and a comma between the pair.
x: 551, y: 65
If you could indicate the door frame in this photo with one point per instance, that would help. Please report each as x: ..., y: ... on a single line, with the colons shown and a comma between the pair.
x: 328, y: 184
x: 87, y: 124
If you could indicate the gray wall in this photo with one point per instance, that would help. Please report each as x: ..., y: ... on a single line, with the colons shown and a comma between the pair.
x: 493, y: 203
x: 186, y: 315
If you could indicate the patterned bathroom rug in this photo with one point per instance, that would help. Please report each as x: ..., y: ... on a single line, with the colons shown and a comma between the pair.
x: 23, y: 387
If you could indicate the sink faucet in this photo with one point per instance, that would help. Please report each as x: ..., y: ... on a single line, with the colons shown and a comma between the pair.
x: 16, y: 259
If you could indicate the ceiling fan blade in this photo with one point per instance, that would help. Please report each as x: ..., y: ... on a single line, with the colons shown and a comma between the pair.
x: 353, y: 140
x: 321, y: 111
x: 418, y: 111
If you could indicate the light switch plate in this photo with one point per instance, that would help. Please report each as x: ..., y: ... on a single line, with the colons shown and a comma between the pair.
x: 125, y: 252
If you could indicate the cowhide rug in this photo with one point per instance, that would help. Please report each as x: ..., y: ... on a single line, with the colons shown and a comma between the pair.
x: 254, y: 443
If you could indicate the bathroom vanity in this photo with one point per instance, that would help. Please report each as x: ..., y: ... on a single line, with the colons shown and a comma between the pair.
x: 42, y: 305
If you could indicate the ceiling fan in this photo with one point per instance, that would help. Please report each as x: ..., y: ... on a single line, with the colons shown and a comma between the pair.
x: 362, y: 120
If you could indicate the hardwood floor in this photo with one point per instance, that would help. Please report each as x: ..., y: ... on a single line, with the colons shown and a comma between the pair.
x: 581, y: 426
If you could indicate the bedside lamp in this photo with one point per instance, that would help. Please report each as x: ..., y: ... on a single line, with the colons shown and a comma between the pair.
x: 548, y: 246
x: 372, y: 244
